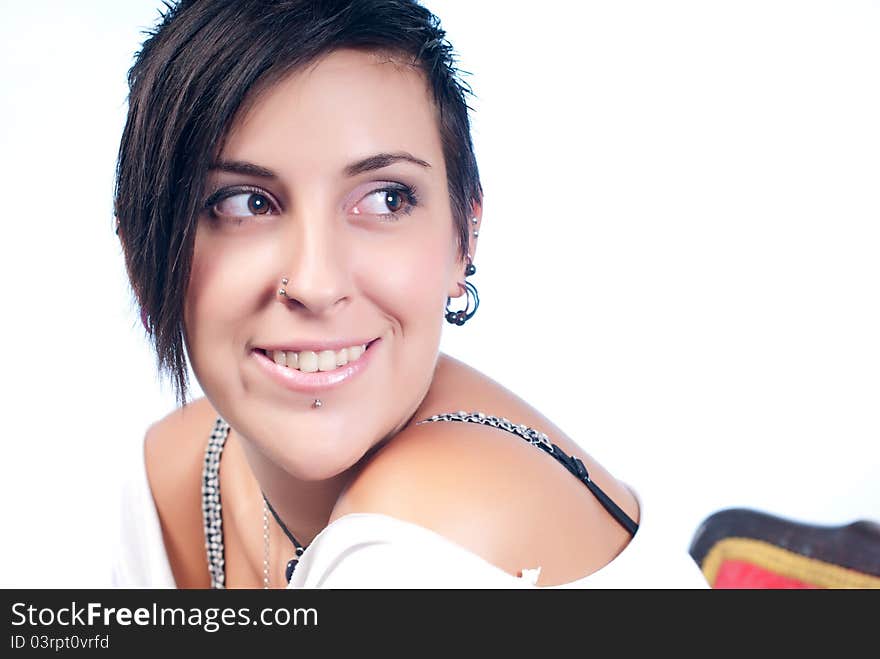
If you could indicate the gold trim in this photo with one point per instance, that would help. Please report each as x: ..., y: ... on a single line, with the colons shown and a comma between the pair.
x: 785, y: 563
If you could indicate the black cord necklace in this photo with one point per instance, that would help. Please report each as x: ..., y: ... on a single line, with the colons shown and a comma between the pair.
x: 291, y: 564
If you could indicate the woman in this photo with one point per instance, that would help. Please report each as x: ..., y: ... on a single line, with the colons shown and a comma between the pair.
x: 299, y: 203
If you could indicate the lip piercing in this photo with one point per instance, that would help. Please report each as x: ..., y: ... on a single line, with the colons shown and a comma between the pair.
x: 317, y: 403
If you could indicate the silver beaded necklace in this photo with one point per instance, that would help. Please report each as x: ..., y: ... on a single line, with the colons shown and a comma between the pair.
x: 213, y: 518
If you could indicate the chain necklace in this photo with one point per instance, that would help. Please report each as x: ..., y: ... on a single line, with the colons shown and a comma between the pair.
x: 291, y: 564
x: 266, y: 582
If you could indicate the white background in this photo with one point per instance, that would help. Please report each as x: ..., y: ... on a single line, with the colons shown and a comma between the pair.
x: 679, y: 260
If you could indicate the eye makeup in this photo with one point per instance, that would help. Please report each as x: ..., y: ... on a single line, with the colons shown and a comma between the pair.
x: 385, y: 194
x: 261, y: 202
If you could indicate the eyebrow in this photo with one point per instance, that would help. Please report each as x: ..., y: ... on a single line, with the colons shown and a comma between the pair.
x: 368, y: 164
x: 380, y: 160
x: 244, y: 168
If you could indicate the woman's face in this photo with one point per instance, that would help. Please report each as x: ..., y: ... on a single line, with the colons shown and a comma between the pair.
x: 334, y: 180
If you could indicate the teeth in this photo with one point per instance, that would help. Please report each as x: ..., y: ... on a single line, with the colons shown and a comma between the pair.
x: 292, y: 359
x: 309, y: 361
x: 326, y: 360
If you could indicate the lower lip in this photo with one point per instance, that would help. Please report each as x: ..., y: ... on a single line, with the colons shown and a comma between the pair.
x: 295, y: 380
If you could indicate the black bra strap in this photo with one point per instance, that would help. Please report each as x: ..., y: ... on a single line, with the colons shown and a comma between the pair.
x: 579, y: 470
x: 539, y: 439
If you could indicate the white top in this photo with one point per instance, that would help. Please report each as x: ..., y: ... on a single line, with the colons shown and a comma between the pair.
x: 140, y: 560
x: 370, y: 550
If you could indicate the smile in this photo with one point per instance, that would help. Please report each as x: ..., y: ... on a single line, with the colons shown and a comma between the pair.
x: 309, y: 361
x: 309, y: 371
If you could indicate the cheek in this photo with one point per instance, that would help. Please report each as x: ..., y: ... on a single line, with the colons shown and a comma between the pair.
x: 411, y: 278
x: 224, y: 287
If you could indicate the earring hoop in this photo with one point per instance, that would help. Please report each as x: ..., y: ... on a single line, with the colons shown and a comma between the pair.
x: 463, y: 315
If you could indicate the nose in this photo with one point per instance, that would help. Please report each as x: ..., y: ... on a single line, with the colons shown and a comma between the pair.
x: 315, y: 270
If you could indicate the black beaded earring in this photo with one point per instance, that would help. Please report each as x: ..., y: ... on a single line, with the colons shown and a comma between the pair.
x: 464, y: 315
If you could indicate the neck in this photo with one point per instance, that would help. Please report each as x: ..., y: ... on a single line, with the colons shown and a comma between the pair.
x: 304, y: 507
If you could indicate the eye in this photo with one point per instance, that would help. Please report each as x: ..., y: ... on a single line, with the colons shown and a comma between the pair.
x: 238, y: 203
x: 241, y: 204
x: 388, y: 202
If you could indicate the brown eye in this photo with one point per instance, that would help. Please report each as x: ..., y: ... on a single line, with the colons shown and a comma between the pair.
x: 388, y: 203
x: 242, y: 204
x: 257, y: 204
x: 394, y: 200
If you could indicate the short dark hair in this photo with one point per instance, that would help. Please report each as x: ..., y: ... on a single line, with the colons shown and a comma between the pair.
x: 192, y: 74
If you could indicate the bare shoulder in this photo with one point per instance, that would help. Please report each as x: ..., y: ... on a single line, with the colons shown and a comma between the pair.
x: 174, y: 450
x: 489, y: 490
x: 172, y: 443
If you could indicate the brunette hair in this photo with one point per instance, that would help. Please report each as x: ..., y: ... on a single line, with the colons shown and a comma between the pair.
x: 198, y: 65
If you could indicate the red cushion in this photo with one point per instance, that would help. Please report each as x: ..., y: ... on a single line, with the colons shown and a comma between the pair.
x: 742, y: 574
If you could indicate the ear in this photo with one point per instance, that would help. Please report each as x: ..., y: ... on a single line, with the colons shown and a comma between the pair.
x: 474, y: 224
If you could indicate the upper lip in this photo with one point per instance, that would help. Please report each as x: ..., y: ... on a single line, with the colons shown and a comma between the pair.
x: 315, y: 345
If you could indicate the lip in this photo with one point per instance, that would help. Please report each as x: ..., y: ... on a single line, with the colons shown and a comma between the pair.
x: 300, y: 382
x: 316, y: 346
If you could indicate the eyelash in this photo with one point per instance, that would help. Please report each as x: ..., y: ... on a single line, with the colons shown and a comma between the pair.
x: 225, y: 193
x: 409, y: 194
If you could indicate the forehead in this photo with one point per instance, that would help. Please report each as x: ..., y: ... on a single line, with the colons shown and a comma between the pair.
x: 347, y: 104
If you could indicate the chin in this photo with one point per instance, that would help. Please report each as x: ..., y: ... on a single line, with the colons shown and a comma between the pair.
x: 314, y: 465
x: 319, y: 450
